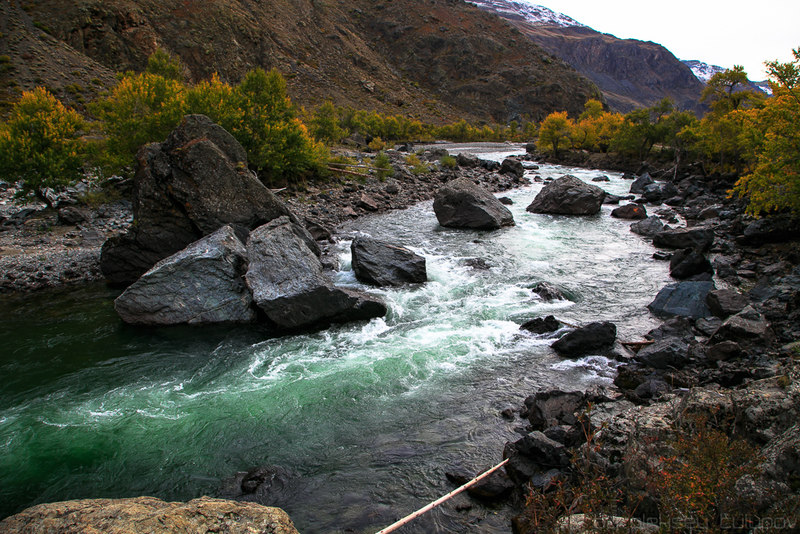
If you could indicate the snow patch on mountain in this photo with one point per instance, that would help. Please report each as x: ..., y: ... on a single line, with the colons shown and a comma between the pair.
x: 526, y: 12
x: 702, y: 70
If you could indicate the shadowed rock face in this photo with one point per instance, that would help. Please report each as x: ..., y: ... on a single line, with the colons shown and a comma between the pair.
x: 151, y: 515
x: 462, y: 204
x: 185, y: 188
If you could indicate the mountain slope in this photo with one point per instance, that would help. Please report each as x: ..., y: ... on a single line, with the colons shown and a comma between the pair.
x: 437, y: 60
x: 629, y: 72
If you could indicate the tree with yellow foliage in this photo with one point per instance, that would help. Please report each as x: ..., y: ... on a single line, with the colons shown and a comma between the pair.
x: 40, y: 144
x: 555, y: 132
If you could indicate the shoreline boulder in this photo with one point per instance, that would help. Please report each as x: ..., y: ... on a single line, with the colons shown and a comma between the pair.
x: 684, y: 299
x: 568, y: 195
x: 463, y: 204
x: 201, y: 284
x: 187, y: 187
x: 384, y: 264
x: 587, y: 339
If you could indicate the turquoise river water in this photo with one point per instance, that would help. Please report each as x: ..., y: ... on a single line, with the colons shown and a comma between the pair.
x: 368, y: 416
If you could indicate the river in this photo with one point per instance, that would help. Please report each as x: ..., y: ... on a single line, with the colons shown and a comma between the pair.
x: 368, y: 416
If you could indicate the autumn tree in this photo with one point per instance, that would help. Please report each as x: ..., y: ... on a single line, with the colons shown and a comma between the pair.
x: 774, y: 136
x: 554, y: 132
x: 40, y: 144
x: 729, y: 90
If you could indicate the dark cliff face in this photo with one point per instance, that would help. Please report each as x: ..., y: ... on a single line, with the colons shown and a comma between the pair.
x: 630, y: 73
x: 437, y: 60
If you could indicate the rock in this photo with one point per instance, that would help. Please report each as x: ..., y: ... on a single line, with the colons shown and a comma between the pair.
x: 479, y: 264
x: 665, y: 353
x: 383, y: 264
x: 287, y: 282
x: 651, y: 389
x: 611, y: 199
x: 467, y: 160
x: 70, y: 215
x: 201, y: 284
x: 186, y: 187
x: 568, y: 196
x: 513, y: 167
x: 658, y: 192
x: 462, y: 204
x: 547, y: 291
x: 151, y: 515
x: 545, y: 451
x: 688, y: 263
x: 630, y: 211
x: 725, y: 302
x: 685, y: 299
x: 505, y: 201
x: 601, y: 179
x: 367, y: 202
x: 585, y: 340
x: 496, y: 486
x: 699, y: 238
x: 648, y: 227
x: 638, y: 185
x: 541, y: 325
x: 746, y: 325
x: 554, y: 407
x: 723, y: 351
x: 773, y: 229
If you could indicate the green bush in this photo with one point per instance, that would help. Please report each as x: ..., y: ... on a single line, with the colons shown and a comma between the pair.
x: 382, y: 165
x: 448, y: 162
x: 40, y: 144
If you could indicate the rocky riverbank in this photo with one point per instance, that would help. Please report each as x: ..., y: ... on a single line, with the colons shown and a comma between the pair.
x: 700, y: 429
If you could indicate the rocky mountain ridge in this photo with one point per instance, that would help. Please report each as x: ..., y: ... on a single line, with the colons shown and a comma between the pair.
x: 438, y: 61
x: 630, y: 73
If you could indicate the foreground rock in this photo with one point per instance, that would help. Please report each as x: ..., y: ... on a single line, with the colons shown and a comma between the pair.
x: 568, y: 195
x: 462, y: 204
x: 149, y: 515
x: 288, y: 285
x: 185, y: 188
x: 697, y: 238
x: 200, y: 284
x: 383, y: 264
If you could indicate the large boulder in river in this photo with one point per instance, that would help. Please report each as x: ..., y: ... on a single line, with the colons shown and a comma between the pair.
x: 638, y: 185
x: 151, y: 515
x: 683, y: 299
x: 585, y: 340
x: 568, y: 195
x: 630, y: 211
x: 463, y: 204
x: 648, y: 227
x: 287, y: 282
x: 384, y: 264
x: 198, y: 285
x: 187, y: 187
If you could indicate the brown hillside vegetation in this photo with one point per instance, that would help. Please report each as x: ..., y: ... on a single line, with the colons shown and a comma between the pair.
x: 436, y: 60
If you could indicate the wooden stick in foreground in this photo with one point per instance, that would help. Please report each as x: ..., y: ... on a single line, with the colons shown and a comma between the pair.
x: 437, y: 502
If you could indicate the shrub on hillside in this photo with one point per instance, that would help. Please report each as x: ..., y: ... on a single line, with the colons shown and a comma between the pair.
x: 39, y: 144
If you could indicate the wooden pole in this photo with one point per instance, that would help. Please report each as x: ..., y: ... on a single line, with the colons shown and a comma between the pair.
x: 348, y: 172
x: 407, y: 519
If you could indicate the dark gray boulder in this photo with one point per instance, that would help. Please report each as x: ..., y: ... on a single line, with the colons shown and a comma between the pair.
x: 689, y: 263
x: 684, y: 299
x: 289, y: 286
x: 699, y: 238
x: 648, y: 227
x: 384, y: 264
x: 554, y: 407
x: 547, y: 291
x: 630, y: 211
x: 726, y: 302
x: 590, y: 338
x: 463, y: 204
x: 638, y: 185
x: 187, y: 187
x: 199, y: 285
x: 541, y: 325
x: 568, y: 195
x: 513, y: 167
x: 665, y: 353
x: 468, y: 160
x: 747, y: 325
x: 659, y: 192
